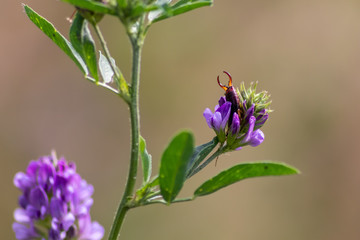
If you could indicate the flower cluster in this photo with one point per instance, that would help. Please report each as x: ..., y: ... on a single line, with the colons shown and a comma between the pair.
x: 236, y: 129
x: 55, y: 203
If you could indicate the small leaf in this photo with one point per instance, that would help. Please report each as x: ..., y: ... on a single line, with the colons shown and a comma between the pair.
x: 173, y: 165
x: 93, y: 6
x: 75, y: 32
x: 243, y: 171
x: 122, y: 4
x: 81, y: 39
x: 56, y: 37
x: 154, y: 182
x: 89, y: 51
x: 200, y: 153
x: 146, y: 160
x: 105, y: 68
x: 181, y: 7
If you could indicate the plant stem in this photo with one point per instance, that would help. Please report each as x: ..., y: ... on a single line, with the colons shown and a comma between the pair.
x: 117, y: 73
x: 209, y: 160
x: 104, y: 85
x: 179, y: 200
x: 135, y: 138
x: 106, y: 50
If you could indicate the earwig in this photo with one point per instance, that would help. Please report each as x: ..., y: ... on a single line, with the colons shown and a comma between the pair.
x: 231, y: 96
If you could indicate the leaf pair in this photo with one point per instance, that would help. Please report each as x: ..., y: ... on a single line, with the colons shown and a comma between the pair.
x: 180, y: 158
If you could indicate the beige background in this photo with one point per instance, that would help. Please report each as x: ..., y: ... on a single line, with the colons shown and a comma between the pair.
x: 305, y: 53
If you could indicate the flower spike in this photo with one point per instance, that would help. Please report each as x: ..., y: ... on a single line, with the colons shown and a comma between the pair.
x: 55, y: 202
x: 239, y: 116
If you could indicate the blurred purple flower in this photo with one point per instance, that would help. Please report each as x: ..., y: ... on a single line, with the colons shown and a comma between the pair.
x: 55, y: 203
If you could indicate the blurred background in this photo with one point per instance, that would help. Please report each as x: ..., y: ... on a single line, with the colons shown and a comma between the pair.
x: 305, y: 53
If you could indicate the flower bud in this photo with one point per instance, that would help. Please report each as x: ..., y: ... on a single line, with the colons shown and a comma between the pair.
x: 243, y: 127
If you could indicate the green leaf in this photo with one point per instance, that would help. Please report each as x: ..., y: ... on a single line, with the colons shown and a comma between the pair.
x: 82, y: 41
x: 93, y: 6
x: 243, y: 171
x: 173, y: 165
x: 200, y: 153
x: 181, y: 7
x: 56, y: 37
x: 146, y: 160
x: 122, y: 4
x: 75, y: 32
x: 154, y: 182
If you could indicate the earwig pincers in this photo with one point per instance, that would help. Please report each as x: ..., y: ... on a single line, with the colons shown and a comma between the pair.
x: 231, y: 96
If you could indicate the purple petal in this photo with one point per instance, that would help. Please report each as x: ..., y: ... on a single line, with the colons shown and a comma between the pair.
x: 33, y: 212
x: 38, y: 198
x: 23, y: 201
x: 97, y: 231
x: 68, y: 221
x: 257, y: 138
x: 244, y: 105
x: 57, y: 208
x: 81, y: 210
x: 23, y: 232
x: 22, y: 181
x: 54, y: 234
x: 45, y: 173
x: 249, y: 113
x: 262, y: 120
x: 21, y: 216
x: 208, y: 115
x: 261, y: 113
x: 90, y: 230
x: 225, y: 114
x: 222, y: 100
x: 251, y: 129
x: 235, y: 125
x: 32, y: 168
x: 85, y: 190
x: 216, y: 121
x: 59, y: 188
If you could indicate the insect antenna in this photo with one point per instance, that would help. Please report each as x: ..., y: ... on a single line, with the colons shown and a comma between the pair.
x: 70, y: 19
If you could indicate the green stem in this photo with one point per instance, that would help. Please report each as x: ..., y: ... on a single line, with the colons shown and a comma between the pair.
x: 116, y: 71
x: 135, y: 138
x: 106, y: 49
x: 179, y: 200
x: 209, y: 160
x: 104, y: 85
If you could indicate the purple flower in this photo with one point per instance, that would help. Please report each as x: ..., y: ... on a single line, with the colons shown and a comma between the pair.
x: 241, y: 130
x: 219, y: 119
x: 55, y: 203
x: 261, y: 119
x: 253, y: 138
